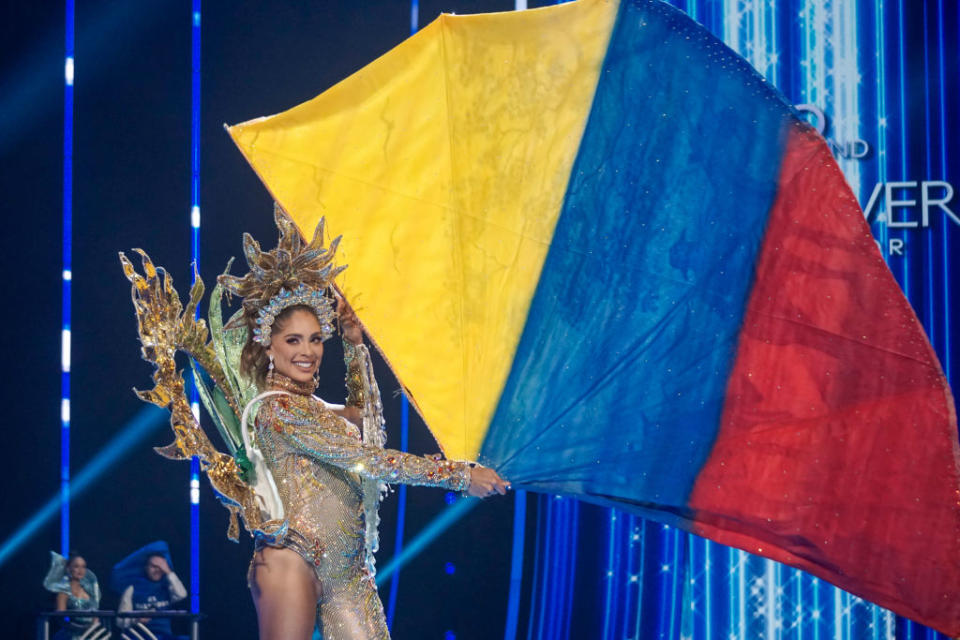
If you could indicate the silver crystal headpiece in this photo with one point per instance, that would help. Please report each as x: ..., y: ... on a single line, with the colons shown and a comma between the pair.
x: 302, y: 295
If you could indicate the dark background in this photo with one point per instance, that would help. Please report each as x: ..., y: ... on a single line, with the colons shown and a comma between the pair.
x: 132, y: 189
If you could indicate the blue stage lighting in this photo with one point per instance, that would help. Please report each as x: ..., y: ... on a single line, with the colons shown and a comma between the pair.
x: 516, y: 564
x: 195, y: 254
x: 401, y: 512
x: 429, y: 533
x: 148, y: 419
x: 67, y: 253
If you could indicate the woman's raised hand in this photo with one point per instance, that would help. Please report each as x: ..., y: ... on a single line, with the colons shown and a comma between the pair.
x: 486, y: 482
x: 349, y: 324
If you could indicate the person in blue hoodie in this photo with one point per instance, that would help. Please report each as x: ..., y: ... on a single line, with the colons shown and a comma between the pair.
x: 147, y: 583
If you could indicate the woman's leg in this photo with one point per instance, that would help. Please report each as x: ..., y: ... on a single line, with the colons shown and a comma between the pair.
x: 285, y: 592
x: 352, y: 611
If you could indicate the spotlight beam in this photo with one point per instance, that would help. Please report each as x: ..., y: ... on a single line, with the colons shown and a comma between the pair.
x: 429, y: 533
x: 136, y: 430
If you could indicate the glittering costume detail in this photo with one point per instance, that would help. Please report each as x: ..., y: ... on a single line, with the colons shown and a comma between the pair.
x: 321, y: 466
x: 302, y: 295
x: 283, y: 383
x: 355, y: 376
x: 291, y: 274
x: 165, y: 326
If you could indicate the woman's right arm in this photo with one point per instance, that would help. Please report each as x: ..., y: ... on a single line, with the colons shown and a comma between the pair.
x: 61, y: 602
x: 331, y: 444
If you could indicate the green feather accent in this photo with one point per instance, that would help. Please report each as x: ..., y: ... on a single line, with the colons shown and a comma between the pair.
x: 247, y: 472
x: 219, y: 414
x: 227, y: 345
x: 215, y: 320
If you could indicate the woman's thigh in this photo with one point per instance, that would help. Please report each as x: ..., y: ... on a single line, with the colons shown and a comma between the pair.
x: 285, y: 592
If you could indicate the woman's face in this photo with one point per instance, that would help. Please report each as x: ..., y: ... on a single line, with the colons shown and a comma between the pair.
x: 298, y: 346
x: 77, y: 568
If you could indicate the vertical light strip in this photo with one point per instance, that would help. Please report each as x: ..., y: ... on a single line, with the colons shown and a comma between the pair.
x: 67, y: 279
x: 195, y: 256
x: 547, y: 581
x: 731, y: 590
x: 573, y: 524
x: 731, y: 24
x: 550, y: 630
x: 555, y: 584
x: 798, y: 611
x: 838, y: 628
x: 928, y: 249
x: 609, y: 588
x: 947, y: 354
x: 639, y: 529
x: 675, y: 575
x: 902, y: 123
x: 770, y: 601
x: 882, y: 125
x: 816, y: 615
x: 536, y: 583
x: 742, y: 597
x: 516, y: 564
x: 626, y: 577
x: 846, y: 86
x: 664, y: 584
x: 708, y: 588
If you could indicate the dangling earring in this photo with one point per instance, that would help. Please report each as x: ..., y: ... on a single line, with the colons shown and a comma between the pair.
x: 270, y: 366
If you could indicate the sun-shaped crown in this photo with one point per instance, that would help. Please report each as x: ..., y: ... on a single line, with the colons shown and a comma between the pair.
x: 291, y: 274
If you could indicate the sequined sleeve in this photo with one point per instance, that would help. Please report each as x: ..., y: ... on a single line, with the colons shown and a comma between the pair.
x: 319, y: 433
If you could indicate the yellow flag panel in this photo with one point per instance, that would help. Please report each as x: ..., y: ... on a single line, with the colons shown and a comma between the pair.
x: 444, y: 165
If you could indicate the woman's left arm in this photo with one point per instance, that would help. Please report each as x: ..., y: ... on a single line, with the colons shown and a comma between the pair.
x: 356, y: 359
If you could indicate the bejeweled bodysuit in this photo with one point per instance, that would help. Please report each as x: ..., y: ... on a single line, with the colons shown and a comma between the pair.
x: 318, y: 461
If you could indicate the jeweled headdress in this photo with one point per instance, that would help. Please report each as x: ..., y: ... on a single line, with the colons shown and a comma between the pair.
x: 292, y: 274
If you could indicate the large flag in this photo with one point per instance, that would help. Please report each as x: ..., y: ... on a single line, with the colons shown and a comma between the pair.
x: 604, y: 257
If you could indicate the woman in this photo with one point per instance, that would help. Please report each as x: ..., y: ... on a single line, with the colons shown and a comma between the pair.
x: 76, y: 589
x: 327, y: 473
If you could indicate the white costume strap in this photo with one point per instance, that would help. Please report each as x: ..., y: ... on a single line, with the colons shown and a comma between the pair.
x: 264, y: 487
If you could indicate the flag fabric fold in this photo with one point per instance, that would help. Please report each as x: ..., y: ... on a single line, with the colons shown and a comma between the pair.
x: 605, y: 258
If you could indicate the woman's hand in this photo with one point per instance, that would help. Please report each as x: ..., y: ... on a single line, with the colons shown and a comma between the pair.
x: 486, y: 482
x: 349, y: 324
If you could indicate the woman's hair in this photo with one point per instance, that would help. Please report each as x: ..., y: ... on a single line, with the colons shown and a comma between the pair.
x: 73, y: 554
x: 254, y: 359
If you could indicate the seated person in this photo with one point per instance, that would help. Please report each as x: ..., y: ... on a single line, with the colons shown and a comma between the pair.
x: 147, y: 583
x: 77, y: 589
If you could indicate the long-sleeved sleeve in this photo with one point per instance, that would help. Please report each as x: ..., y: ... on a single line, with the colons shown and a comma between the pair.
x: 324, y: 436
x: 126, y: 604
x: 177, y: 591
